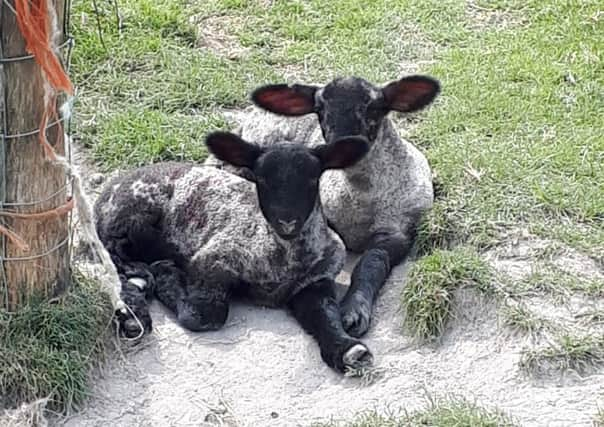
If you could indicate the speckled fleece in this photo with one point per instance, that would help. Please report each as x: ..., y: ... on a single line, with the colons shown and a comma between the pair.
x: 213, y: 219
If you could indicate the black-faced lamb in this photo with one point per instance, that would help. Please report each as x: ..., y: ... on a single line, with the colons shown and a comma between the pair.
x: 194, y: 236
x: 374, y: 206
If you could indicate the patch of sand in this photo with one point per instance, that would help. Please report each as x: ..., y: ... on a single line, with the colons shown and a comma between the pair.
x: 263, y: 370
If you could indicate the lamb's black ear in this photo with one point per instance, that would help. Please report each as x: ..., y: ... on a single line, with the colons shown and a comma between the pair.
x: 410, y: 93
x: 232, y: 149
x: 342, y: 153
x: 294, y: 100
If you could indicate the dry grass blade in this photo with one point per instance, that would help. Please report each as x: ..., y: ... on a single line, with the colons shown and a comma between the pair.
x: 366, y: 375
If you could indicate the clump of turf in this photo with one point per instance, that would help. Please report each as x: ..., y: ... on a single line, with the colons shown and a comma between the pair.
x: 521, y: 318
x: 442, y: 413
x: 554, y: 281
x: 427, y: 296
x: 48, y: 347
x: 567, y: 352
x: 459, y: 413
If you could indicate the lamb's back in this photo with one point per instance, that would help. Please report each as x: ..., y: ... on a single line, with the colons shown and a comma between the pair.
x: 209, y: 206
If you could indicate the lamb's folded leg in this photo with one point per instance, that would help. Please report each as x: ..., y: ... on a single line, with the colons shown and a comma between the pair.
x: 137, y: 288
x: 385, y: 250
x: 199, y: 300
x: 317, y: 310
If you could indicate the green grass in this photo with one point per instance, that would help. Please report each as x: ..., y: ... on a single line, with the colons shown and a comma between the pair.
x: 459, y: 413
x: 135, y: 137
x: 592, y: 317
x: 442, y: 413
x: 146, y: 92
x: 428, y: 295
x: 520, y: 106
x: 586, y: 238
x: 327, y: 37
x: 552, y: 280
x: 575, y: 352
x: 520, y: 318
x: 511, y: 110
x: 520, y: 102
x: 47, y: 348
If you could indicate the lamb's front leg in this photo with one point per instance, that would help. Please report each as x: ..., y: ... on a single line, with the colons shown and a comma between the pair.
x: 385, y: 251
x: 200, y: 302
x: 136, y: 291
x: 317, y: 310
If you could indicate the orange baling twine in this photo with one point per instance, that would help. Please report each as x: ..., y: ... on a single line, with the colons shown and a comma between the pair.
x: 34, y: 23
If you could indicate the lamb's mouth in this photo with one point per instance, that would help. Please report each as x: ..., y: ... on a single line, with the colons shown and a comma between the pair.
x: 288, y: 236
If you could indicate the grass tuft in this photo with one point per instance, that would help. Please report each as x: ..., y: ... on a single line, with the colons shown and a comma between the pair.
x: 432, y: 280
x: 568, y: 352
x: 366, y: 375
x: 552, y: 280
x: 594, y: 317
x: 520, y: 318
x: 48, y: 347
x: 599, y: 419
x: 459, y: 413
x: 442, y: 413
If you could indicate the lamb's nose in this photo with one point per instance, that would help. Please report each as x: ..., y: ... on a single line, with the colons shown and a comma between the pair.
x: 288, y: 226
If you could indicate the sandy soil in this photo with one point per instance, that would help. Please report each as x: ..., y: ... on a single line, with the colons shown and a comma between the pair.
x: 263, y: 370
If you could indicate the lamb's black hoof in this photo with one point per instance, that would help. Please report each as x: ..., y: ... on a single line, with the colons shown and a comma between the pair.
x: 130, y: 328
x: 134, y: 293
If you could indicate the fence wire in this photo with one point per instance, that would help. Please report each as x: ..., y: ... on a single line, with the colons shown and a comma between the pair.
x: 65, y: 48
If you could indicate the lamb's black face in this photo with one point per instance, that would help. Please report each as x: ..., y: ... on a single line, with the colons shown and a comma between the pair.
x: 350, y: 107
x: 286, y: 175
x: 287, y: 182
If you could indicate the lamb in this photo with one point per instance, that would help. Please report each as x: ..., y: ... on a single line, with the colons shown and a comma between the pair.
x: 195, y: 236
x: 375, y: 206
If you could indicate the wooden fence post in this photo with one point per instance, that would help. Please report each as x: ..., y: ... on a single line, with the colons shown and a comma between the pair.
x: 32, y: 184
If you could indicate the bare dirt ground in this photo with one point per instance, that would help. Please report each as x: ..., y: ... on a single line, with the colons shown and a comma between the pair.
x: 261, y: 369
